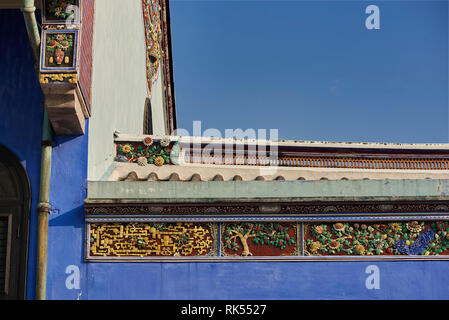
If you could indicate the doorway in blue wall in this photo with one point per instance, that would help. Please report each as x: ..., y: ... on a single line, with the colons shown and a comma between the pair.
x: 14, y: 225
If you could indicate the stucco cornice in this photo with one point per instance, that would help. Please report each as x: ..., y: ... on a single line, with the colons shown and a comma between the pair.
x: 268, y: 197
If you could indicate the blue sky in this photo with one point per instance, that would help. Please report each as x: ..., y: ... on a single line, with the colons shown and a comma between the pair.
x: 312, y: 70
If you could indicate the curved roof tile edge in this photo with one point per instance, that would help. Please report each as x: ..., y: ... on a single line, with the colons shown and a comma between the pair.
x: 122, y: 137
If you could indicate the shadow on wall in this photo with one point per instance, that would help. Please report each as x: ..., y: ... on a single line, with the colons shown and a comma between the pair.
x: 73, y: 218
x: 66, y: 236
x: 67, y: 272
x: 59, y: 140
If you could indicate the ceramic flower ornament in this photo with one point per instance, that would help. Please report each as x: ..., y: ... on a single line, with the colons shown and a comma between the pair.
x: 159, y: 161
x: 148, y: 141
x: 165, y: 141
x: 126, y: 148
x: 142, y: 161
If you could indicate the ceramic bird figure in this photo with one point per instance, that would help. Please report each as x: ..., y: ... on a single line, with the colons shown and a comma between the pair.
x: 174, y: 154
x: 121, y: 158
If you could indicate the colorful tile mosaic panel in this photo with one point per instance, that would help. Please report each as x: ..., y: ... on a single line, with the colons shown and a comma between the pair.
x: 59, y: 11
x: 60, y: 32
x: 377, y: 238
x: 259, y: 239
x: 59, y: 51
x: 158, y: 152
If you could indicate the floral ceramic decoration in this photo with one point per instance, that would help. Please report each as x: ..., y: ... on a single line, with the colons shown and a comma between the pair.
x: 153, y: 38
x: 59, y: 50
x: 146, y: 152
x: 165, y: 141
x: 148, y: 141
x: 370, y: 239
x: 58, y: 10
x: 259, y: 239
x: 142, y: 161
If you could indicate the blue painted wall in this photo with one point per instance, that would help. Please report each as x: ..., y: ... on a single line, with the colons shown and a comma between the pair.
x: 66, y: 227
x: 256, y: 280
x: 21, y: 118
x: 21, y: 112
x: 20, y: 130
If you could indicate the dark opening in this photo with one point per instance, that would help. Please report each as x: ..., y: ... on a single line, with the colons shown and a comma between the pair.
x: 14, y: 226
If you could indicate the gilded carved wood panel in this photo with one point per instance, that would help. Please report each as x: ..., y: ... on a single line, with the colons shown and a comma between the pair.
x: 150, y: 239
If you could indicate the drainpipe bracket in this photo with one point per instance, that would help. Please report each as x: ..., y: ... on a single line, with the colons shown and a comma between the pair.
x: 28, y: 9
x: 43, y: 207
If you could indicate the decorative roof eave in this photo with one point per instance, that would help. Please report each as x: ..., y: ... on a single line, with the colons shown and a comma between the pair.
x: 205, y: 172
x: 172, y: 158
x: 123, y: 137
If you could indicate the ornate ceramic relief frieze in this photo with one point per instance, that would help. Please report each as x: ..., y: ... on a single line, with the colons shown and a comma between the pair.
x: 377, y: 238
x: 154, y: 239
x: 149, y: 151
x: 60, y: 36
x: 69, y: 77
x: 153, y: 39
x: 59, y: 11
x: 59, y: 52
x: 259, y: 239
